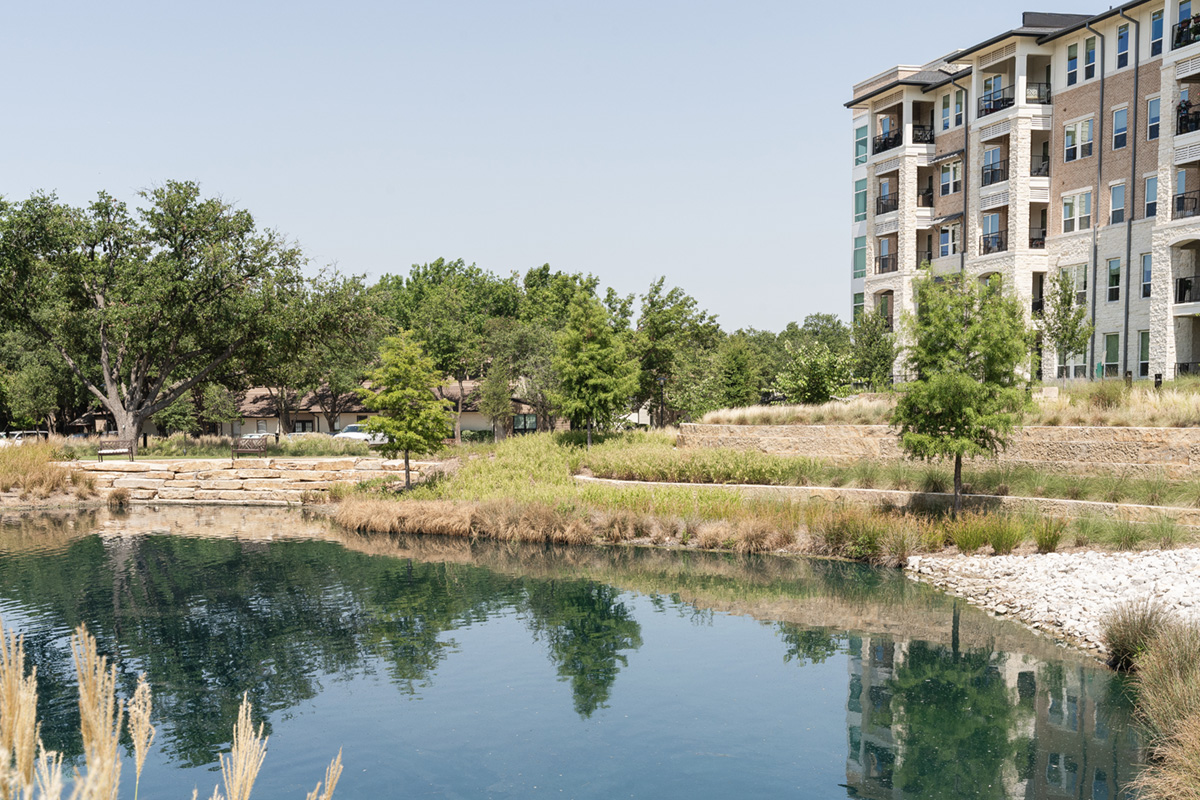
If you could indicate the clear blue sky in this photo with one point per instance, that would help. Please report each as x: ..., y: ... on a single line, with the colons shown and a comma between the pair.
x: 703, y: 141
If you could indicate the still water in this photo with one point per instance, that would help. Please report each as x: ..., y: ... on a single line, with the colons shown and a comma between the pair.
x: 449, y: 669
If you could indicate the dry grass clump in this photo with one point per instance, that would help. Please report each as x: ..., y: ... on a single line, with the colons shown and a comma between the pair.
x: 713, y: 535
x: 102, y: 716
x: 1168, y: 692
x: 118, y: 499
x: 32, y: 468
x: 854, y: 411
x: 1129, y: 628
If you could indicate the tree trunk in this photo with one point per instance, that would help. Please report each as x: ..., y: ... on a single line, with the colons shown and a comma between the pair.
x: 957, y: 485
x: 589, y: 446
x: 458, y: 418
x: 129, y: 426
x: 407, y: 479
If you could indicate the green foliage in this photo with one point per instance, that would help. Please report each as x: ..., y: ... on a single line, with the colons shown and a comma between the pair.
x: 597, y: 376
x: 1064, y: 325
x: 219, y: 404
x: 179, y: 417
x: 413, y: 419
x: 815, y: 374
x: 738, y: 373
x: 495, y: 397
x: 873, y: 349
x: 670, y: 324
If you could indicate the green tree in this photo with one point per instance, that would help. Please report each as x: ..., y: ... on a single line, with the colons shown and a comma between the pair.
x: 815, y: 375
x: 739, y: 373
x: 596, y: 375
x: 525, y: 350
x: 141, y: 308
x: 1065, y: 324
x: 495, y: 398
x: 219, y: 404
x: 873, y: 349
x: 179, y: 417
x: 31, y: 395
x: 829, y: 330
x: 670, y: 323
x: 969, y: 340
x: 413, y: 417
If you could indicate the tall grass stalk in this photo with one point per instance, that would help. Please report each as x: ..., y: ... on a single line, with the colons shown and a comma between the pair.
x: 240, y: 768
x: 141, y: 731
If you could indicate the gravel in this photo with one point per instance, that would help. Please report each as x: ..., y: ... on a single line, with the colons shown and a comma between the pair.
x: 1066, y: 595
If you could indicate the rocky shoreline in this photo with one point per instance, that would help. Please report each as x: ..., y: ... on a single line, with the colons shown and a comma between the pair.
x: 1066, y: 595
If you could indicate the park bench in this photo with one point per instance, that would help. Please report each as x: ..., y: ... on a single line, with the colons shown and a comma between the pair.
x: 121, y: 447
x: 249, y: 446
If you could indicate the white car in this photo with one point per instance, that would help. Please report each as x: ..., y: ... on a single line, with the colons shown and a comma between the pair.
x: 359, y: 433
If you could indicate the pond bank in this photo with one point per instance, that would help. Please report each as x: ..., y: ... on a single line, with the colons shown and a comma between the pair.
x: 1067, y: 594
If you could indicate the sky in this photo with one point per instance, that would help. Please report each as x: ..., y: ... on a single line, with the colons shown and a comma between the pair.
x: 706, y: 142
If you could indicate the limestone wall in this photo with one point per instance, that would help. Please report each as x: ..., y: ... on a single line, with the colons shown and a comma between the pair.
x: 261, y: 481
x: 1133, y: 451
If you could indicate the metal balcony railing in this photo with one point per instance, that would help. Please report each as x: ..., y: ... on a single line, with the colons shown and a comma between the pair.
x: 993, y: 243
x: 1039, y: 166
x: 885, y: 141
x: 998, y: 100
x: 1187, y: 290
x: 1037, y: 238
x: 887, y: 203
x: 995, y: 173
x: 885, y: 264
x: 1185, y: 33
x: 1037, y: 93
x: 925, y: 198
x: 1187, y: 120
x: 923, y: 256
x: 922, y: 134
x: 1186, y: 204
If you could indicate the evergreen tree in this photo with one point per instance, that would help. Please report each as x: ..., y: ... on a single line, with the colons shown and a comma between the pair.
x: 873, y: 350
x: 597, y: 376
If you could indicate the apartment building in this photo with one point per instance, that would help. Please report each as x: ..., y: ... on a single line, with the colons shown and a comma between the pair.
x: 1067, y: 144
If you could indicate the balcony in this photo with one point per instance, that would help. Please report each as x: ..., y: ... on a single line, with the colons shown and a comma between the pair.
x: 1037, y: 305
x: 1037, y: 93
x: 995, y: 173
x: 885, y: 141
x: 993, y: 243
x: 1039, y: 167
x: 1187, y: 290
x: 886, y: 264
x: 1187, y: 121
x: 998, y: 100
x: 1186, y: 204
x: 887, y: 203
x: 925, y: 198
x: 922, y: 134
x: 1185, y: 33
x: 1037, y: 238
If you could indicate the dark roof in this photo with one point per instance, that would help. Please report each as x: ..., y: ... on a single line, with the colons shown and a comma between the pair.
x: 945, y: 156
x: 1084, y: 20
x: 924, y: 78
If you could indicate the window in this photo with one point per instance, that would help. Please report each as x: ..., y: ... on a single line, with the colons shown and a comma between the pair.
x: 1151, y: 197
x: 1123, y: 46
x: 993, y: 171
x: 1143, y: 354
x: 1156, y: 32
x: 1089, y: 58
x: 1077, y: 212
x: 1077, y: 140
x: 1146, y: 263
x: 1120, y: 127
x: 1072, y: 64
x: 945, y: 112
x: 860, y: 200
x: 260, y: 426
x: 1116, y: 203
x: 858, y: 304
x: 860, y: 145
x: 1081, y: 284
x: 1071, y: 366
x: 948, y: 240
x: 860, y: 256
x: 1152, y: 117
x: 524, y: 423
x: 958, y: 107
x: 1114, y: 279
x: 951, y: 178
x: 1112, y: 354
x: 302, y: 426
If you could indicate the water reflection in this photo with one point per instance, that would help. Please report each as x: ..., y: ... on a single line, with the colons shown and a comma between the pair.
x: 940, y: 701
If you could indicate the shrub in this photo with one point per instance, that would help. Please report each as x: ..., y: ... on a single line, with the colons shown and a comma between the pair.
x: 1004, y: 533
x: 969, y: 532
x: 852, y: 532
x: 118, y: 499
x: 1048, y: 533
x: 1105, y: 395
x: 1129, y: 628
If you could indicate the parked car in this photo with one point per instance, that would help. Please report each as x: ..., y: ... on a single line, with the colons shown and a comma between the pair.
x: 359, y: 433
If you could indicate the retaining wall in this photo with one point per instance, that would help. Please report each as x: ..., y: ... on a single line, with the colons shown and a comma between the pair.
x: 1174, y: 451
x: 261, y: 481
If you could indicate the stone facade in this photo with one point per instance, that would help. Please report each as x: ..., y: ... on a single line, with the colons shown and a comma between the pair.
x: 1132, y: 451
x: 258, y: 481
x: 1047, y: 95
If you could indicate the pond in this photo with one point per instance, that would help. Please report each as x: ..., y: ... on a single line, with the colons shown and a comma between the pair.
x: 445, y: 668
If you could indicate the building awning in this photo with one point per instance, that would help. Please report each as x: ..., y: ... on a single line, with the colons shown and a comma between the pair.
x: 945, y: 156
x: 945, y: 219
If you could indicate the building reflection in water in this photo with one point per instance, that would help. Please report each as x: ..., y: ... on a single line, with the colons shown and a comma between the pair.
x: 925, y: 721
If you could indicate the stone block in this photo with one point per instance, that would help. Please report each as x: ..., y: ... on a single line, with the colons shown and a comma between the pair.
x: 143, y: 494
x: 138, y: 483
x: 176, y: 494
x: 217, y: 475
x: 221, y: 484
x: 259, y: 473
x: 114, y: 465
x: 250, y: 463
x: 263, y: 483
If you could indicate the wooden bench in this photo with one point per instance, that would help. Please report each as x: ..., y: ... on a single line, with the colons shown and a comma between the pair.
x: 121, y: 447
x: 247, y: 446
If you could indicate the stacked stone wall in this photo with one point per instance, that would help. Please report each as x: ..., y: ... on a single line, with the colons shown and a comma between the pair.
x: 265, y: 481
x: 1082, y: 450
